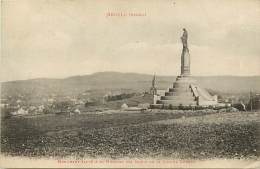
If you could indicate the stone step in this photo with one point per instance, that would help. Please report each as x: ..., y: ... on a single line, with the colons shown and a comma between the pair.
x: 179, y: 89
x: 181, y: 85
x: 187, y: 78
x: 184, y: 81
x: 179, y: 93
x: 181, y: 97
x: 177, y: 102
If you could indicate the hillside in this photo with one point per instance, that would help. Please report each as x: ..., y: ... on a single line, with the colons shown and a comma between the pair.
x: 150, y: 134
x: 133, y: 81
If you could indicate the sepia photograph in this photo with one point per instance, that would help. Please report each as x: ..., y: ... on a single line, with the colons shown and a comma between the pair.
x: 130, y: 84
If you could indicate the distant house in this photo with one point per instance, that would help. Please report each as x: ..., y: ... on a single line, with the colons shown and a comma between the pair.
x: 4, y: 105
x: 140, y: 107
x: 80, y: 102
x: 20, y: 111
x: 18, y: 101
x: 50, y: 100
x: 32, y: 108
x: 144, y: 105
x: 41, y: 108
x: 77, y: 111
x: 124, y: 106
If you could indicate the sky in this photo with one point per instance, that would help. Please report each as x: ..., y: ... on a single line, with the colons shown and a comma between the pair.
x: 61, y: 38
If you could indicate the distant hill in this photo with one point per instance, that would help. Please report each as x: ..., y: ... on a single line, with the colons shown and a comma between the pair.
x: 133, y: 81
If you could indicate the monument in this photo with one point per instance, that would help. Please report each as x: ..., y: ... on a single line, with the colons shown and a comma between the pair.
x: 153, y: 89
x: 185, y: 90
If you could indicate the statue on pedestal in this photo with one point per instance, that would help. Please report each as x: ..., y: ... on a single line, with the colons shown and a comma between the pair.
x: 185, y: 92
x: 185, y: 56
x: 184, y: 38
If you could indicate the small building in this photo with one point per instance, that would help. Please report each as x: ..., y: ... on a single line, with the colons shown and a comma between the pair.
x: 20, y: 111
x: 124, y: 106
x: 77, y: 111
x: 144, y: 105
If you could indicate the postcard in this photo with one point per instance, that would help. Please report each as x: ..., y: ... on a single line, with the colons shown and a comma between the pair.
x: 130, y: 84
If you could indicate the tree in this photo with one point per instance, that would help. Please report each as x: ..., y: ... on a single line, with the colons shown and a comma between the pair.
x: 181, y: 107
x: 170, y: 107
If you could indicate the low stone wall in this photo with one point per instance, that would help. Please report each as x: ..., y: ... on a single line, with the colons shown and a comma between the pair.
x: 191, y: 107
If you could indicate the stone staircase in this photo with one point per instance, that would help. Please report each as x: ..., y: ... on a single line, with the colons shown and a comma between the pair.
x: 180, y: 94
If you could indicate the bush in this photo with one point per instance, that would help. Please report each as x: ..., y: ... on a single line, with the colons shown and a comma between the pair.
x: 181, y: 107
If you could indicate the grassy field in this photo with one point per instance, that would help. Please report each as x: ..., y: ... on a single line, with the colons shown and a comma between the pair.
x: 169, y: 134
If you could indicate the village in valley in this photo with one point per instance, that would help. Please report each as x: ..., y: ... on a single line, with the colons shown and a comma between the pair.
x: 24, y: 104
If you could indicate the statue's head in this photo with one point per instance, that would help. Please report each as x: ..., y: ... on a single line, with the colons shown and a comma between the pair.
x: 183, y: 29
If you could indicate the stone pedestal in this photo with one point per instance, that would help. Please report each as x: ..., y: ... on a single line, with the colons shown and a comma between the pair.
x: 180, y: 93
x: 186, y: 92
x: 185, y: 62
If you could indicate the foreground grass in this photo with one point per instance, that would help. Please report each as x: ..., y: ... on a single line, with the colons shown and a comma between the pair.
x: 226, y: 135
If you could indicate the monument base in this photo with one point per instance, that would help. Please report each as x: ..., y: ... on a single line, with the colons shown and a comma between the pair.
x: 186, y: 92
